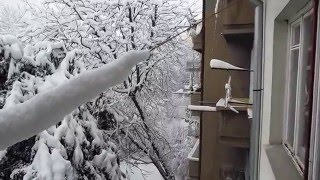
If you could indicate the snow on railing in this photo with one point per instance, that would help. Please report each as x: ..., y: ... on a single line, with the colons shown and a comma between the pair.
x: 219, y: 64
x: 202, y: 108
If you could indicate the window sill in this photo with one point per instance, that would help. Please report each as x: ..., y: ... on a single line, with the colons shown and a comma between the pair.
x: 281, y: 163
x: 266, y: 172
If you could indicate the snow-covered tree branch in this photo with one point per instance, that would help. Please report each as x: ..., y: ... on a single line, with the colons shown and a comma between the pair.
x: 24, y: 120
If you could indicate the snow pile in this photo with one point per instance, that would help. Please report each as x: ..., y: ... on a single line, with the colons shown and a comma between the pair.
x: 47, y: 164
x: 40, y: 54
x: 53, y: 159
x: 108, y: 161
x: 11, y: 47
x: 22, y: 90
x: 218, y: 64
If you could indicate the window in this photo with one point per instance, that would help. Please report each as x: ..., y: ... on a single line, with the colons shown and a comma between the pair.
x: 299, y: 87
x: 315, y: 136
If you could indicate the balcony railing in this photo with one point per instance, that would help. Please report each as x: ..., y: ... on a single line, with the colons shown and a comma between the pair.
x: 197, y: 39
x: 193, y: 157
x: 195, y: 98
x: 234, y: 128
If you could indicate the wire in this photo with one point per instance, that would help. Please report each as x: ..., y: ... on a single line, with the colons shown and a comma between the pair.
x: 194, y: 25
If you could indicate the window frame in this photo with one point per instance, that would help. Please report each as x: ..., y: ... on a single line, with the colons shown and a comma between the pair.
x: 292, y: 150
x: 289, y: 77
x: 315, y: 129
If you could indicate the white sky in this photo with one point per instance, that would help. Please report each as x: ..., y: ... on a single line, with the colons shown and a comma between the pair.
x: 9, y: 2
x: 15, y: 3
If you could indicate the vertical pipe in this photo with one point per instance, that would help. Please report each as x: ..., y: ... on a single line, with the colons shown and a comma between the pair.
x: 255, y: 134
x: 203, y: 31
x: 309, y: 125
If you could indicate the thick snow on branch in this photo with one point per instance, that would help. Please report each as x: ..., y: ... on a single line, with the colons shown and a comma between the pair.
x: 218, y: 64
x: 48, y: 108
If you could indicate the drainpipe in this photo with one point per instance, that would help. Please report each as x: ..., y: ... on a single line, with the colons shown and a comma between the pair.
x: 309, y: 125
x: 203, y: 30
x: 256, y: 123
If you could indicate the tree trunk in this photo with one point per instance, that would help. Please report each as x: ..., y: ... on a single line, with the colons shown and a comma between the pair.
x: 160, y: 164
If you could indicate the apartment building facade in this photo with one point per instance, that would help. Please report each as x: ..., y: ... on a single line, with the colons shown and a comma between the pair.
x: 271, y: 128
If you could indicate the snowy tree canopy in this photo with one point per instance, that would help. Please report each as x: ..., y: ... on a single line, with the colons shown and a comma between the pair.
x: 65, y: 39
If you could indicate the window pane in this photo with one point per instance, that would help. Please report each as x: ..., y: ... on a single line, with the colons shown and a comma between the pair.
x: 305, y: 86
x: 295, y: 35
x: 292, y: 95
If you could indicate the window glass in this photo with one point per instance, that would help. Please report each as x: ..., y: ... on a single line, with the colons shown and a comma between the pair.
x: 305, y: 86
x: 295, y: 39
x: 292, y: 95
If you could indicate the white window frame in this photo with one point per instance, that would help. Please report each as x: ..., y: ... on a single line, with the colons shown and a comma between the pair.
x: 288, y: 74
x: 292, y: 150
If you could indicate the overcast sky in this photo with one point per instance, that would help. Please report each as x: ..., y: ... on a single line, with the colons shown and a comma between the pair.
x: 16, y: 2
x: 196, y: 4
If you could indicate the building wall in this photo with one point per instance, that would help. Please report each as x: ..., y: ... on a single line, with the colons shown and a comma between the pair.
x: 274, y: 161
x: 215, y: 155
x: 272, y: 9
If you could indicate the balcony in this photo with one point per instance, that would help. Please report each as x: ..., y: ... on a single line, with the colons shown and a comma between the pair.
x: 239, y: 13
x: 197, y: 43
x: 230, y: 172
x: 234, y: 128
x: 195, y: 98
x: 239, y: 34
x: 193, y: 157
x: 196, y: 38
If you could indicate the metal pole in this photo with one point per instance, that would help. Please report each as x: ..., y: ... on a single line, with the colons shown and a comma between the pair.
x: 256, y: 123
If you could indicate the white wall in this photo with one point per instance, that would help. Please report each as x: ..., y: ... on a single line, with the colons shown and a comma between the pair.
x: 272, y: 9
